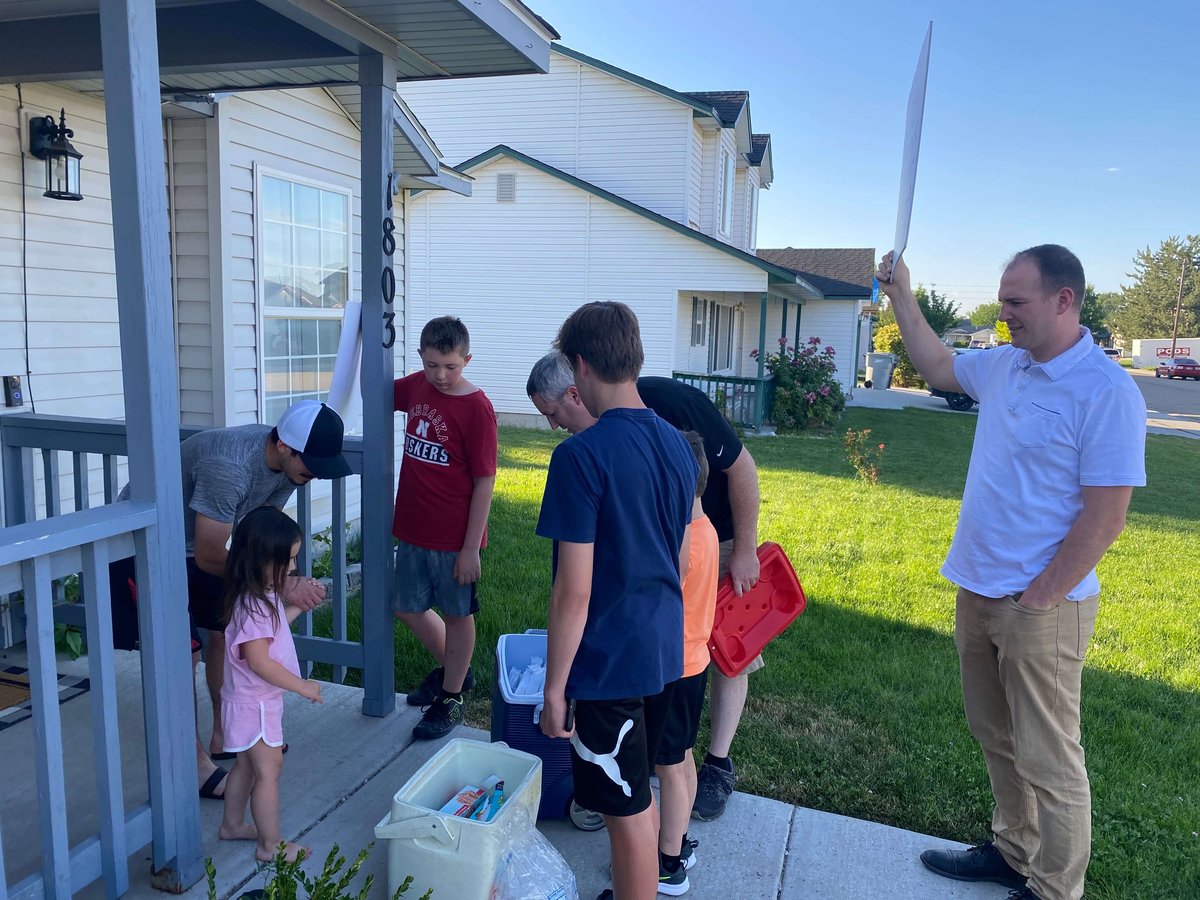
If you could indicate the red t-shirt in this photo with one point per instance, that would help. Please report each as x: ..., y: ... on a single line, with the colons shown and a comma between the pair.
x: 449, y: 441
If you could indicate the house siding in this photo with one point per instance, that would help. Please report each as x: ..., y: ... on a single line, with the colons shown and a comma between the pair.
x: 474, y: 257
x: 695, y: 175
x: 603, y: 129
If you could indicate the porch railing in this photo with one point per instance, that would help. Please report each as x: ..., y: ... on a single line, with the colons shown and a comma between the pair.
x: 743, y: 401
x: 49, y: 537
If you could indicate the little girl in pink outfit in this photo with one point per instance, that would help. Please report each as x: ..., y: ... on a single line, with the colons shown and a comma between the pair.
x: 260, y: 665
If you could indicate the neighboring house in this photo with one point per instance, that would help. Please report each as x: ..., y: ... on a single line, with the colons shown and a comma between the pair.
x: 845, y: 318
x: 959, y: 334
x: 984, y: 337
x: 594, y: 183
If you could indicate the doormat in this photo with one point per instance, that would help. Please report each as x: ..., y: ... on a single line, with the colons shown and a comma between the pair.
x: 16, y: 703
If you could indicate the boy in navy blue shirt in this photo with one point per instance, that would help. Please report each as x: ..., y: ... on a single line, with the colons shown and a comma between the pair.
x: 617, y: 504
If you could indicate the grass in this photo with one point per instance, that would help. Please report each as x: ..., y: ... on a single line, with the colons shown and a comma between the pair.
x: 858, y: 711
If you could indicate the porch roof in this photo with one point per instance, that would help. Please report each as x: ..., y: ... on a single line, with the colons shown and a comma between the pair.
x: 208, y: 46
x: 780, y: 280
x: 843, y: 273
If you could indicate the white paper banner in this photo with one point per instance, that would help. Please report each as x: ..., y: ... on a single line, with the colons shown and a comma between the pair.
x: 912, y: 147
x: 345, y: 368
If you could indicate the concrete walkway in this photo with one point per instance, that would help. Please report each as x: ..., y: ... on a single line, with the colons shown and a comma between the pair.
x: 344, y: 768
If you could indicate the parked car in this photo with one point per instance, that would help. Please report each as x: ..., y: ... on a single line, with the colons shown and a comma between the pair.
x: 1184, y: 367
x: 1112, y: 353
x: 960, y: 402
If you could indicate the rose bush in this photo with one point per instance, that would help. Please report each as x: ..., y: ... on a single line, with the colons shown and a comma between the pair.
x: 807, y: 395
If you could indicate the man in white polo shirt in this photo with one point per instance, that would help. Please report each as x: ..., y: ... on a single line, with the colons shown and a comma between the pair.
x: 1059, y: 447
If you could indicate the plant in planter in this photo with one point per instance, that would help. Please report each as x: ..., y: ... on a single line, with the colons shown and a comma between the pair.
x: 287, y: 878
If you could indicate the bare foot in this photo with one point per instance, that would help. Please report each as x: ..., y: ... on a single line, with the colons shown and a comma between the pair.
x: 244, y: 832
x: 290, y: 852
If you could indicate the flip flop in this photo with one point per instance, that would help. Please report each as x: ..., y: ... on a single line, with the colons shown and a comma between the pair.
x: 222, y: 757
x: 208, y: 789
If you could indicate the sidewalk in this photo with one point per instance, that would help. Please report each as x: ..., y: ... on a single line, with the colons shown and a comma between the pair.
x: 902, y: 398
x: 344, y: 767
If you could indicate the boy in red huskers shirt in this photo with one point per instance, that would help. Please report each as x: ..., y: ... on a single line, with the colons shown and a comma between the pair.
x: 442, y: 503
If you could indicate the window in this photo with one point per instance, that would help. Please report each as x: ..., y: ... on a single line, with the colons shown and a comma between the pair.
x: 726, y: 199
x: 304, y: 283
x: 721, y: 354
x: 699, y: 321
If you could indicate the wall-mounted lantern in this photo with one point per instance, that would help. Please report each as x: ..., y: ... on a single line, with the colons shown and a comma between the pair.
x: 48, y: 141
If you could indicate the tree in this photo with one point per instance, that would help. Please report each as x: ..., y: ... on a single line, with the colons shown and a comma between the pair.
x: 1147, y: 306
x: 985, y: 315
x: 1003, y: 335
x: 1098, y: 310
x: 939, y: 311
x: 888, y: 340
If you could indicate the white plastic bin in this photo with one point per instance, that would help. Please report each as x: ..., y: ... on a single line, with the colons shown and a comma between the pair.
x: 454, y: 856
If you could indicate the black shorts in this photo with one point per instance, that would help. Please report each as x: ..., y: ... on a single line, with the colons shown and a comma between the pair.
x: 619, y: 739
x: 206, y: 598
x: 683, y: 719
x: 123, y: 595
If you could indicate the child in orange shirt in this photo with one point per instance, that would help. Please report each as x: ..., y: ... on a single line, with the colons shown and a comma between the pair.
x: 674, y: 764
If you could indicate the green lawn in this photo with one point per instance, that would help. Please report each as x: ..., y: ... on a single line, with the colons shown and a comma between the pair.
x: 858, y: 711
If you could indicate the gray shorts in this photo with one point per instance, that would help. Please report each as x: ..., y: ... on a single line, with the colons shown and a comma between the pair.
x: 425, y: 579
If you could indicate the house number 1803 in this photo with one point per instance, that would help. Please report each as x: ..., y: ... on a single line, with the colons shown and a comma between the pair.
x: 388, y: 279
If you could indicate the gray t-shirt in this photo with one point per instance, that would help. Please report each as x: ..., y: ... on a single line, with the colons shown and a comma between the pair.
x: 225, y: 475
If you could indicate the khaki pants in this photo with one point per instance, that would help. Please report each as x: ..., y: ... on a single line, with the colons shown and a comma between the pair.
x: 1021, y: 670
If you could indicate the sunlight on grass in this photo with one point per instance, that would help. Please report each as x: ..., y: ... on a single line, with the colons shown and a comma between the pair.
x: 859, y: 710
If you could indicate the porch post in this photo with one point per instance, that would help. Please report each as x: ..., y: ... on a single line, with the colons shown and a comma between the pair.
x: 760, y: 400
x: 783, y: 325
x: 382, y: 327
x: 129, y: 39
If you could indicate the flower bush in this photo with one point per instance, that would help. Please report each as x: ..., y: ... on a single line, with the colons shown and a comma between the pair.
x: 863, y: 455
x: 806, y: 392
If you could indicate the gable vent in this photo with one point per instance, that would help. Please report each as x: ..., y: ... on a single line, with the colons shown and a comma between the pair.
x: 506, y: 187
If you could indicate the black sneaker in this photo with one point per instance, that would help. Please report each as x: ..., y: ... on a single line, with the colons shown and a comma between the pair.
x: 1023, y: 894
x: 431, y: 686
x: 672, y: 884
x: 687, y: 853
x: 439, y: 720
x: 981, y: 863
x: 713, y: 787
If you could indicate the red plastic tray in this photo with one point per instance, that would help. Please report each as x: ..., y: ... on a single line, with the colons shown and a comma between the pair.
x: 744, y: 625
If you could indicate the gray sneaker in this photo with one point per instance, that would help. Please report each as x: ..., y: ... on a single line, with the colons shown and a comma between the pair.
x: 713, y: 787
x: 431, y: 687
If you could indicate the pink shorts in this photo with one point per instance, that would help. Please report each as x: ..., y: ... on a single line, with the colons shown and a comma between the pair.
x: 247, y: 723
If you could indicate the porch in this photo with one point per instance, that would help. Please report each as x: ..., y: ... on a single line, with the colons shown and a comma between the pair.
x: 343, y: 769
x: 134, y: 54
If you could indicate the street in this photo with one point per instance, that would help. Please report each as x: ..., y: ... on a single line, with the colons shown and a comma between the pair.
x: 1173, y: 405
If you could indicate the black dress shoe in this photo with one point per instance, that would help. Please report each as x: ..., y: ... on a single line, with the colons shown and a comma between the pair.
x: 982, y: 863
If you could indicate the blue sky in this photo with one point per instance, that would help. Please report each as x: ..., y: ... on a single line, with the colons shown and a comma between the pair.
x: 1053, y: 121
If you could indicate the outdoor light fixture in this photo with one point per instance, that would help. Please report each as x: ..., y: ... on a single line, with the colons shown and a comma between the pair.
x: 49, y: 142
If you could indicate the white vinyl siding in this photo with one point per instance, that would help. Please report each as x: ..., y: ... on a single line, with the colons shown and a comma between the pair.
x: 70, y: 277
x: 833, y: 321
x: 586, y: 122
x: 541, y: 258
x: 188, y: 158
x: 745, y: 208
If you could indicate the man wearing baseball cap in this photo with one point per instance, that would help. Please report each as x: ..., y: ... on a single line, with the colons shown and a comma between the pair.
x: 227, y: 472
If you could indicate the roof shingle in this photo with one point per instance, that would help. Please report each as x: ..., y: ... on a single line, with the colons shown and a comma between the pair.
x: 758, y: 147
x: 728, y: 104
x: 845, y: 272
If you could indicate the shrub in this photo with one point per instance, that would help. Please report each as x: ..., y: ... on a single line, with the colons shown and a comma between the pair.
x: 286, y: 879
x: 806, y: 394
x: 888, y: 340
x: 863, y: 456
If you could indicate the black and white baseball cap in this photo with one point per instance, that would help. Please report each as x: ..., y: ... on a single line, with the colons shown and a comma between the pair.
x: 315, y: 431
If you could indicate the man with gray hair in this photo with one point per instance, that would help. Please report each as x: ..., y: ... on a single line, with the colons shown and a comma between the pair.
x: 731, y: 504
